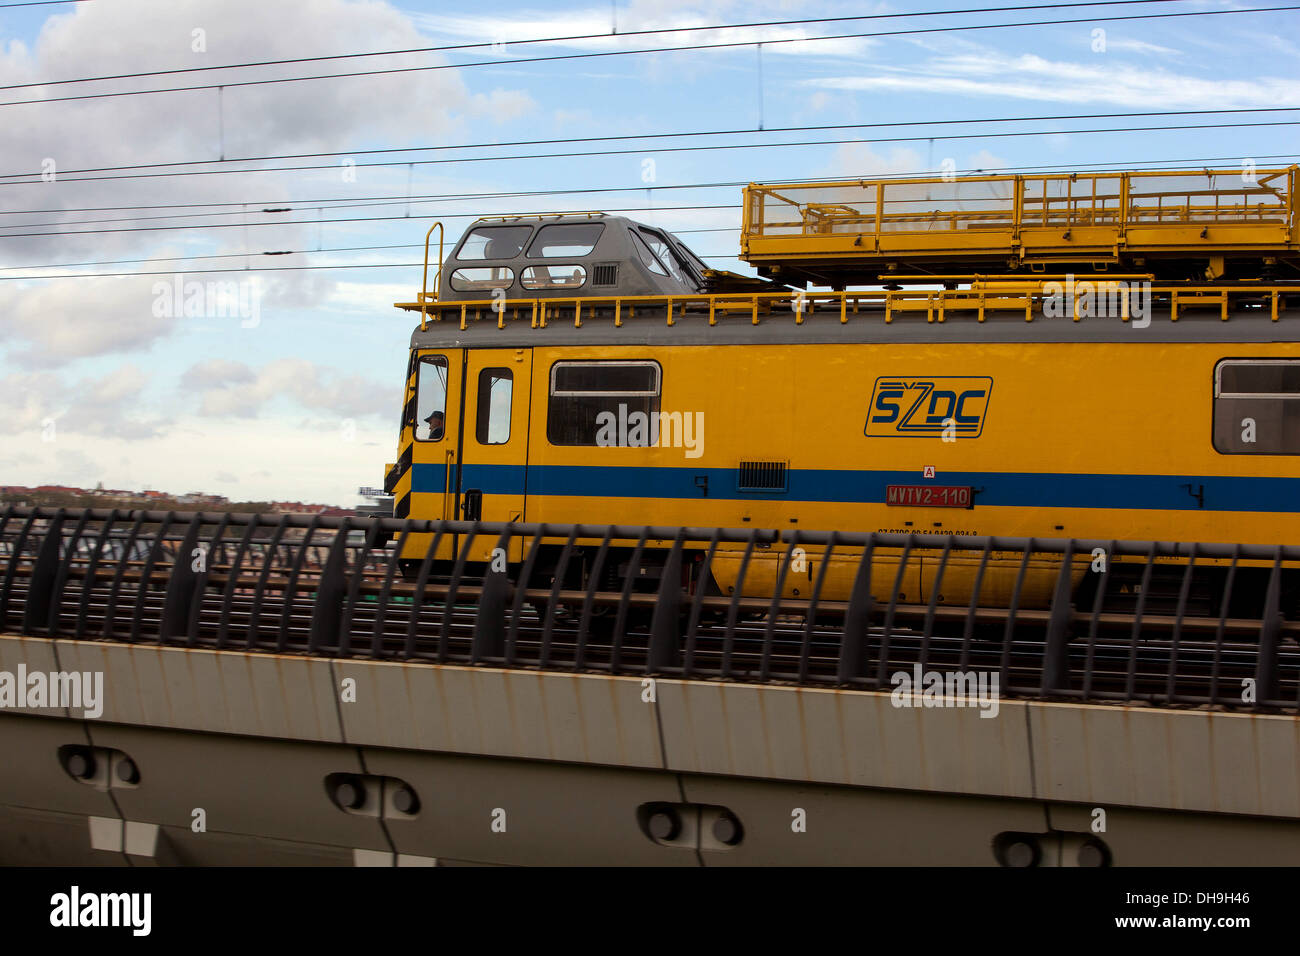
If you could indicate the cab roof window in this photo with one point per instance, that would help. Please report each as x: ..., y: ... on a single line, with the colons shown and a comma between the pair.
x: 692, y: 259
x: 494, y: 242
x: 647, y: 257
x: 665, y: 254
x: 566, y: 239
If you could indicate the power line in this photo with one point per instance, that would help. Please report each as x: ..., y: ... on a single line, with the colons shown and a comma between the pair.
x: 689, y: 149
x: 313, y: 222
x: 668, y: 49
x: 346, y: 202
x: 249, y: 255
x: 625, y: 137
x: 569, y: 39
x: 395, y: 201
x: 305, y: 206
x: 335, y: 266
x: 169, y: 272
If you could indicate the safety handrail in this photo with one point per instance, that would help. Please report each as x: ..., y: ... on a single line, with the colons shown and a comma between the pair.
x: 437, y: 280
x: 1122, y: 197
x: 1029, y: 296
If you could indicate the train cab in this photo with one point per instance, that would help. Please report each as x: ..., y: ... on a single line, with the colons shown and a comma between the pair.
x: 565, y: 257
x: 468, y: 414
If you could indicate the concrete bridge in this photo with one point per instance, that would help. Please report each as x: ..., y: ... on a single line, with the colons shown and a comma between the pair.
x: 238, y: 757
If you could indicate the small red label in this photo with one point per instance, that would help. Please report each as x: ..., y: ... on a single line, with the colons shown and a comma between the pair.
x: 929, y: 496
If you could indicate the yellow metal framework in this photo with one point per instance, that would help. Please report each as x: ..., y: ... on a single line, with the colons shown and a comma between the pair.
x: 985, y: 296
x: 1061, y: 216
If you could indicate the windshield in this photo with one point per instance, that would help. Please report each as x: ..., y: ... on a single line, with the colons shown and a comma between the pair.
x: 692, y: 260
x: 662, y: 251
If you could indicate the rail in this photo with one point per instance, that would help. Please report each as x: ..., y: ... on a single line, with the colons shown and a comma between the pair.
x: 329, y: 587
x: 1095, y: 298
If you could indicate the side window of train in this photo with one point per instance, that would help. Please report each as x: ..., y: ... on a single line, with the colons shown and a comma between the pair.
x: 1257, y: 407
x: 659, y: 246
x: 582, y: 391
x: 482, y: 279
x: 554, y: 277
x: 566, y: 240
x: 647, y: 257
x: 494, y: 242
x: 431, y: 398
x: 496, y: 387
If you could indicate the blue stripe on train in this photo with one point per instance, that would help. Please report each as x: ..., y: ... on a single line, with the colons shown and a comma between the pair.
x: 1147, y: 492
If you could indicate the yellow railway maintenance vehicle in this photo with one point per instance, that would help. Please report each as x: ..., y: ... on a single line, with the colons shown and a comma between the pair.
x: 590, y: 369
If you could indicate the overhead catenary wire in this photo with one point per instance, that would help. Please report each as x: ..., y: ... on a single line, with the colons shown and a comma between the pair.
x: 244, y: 224
x: 341, y: 202
x: 607, y: 53
x: 252, y: 269
x: 402, y: 201
x: 704, y: 148
x: 627, y: 137
x: 284, y: 252
x: 312, y: 222
x: 308, y: 207
x: 482, y: 45
x: 287, y: 252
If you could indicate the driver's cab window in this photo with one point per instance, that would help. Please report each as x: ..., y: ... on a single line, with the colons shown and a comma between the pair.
x: 431, y: 398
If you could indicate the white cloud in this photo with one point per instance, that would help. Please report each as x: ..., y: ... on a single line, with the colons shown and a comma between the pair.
x: 502, y: 106
x: 1031, y: 77
x: 1124, y: 45
x: 26, y: 400
x: 299, y: 117
x: 225, y: 389
x: 679, y: 27
x: 45, y: 406
x: 860, y: 160
x: 50, y: 324
x: 371, y: 298
x: 217, y: 373
x: 245, y: 460
x: 74, y: 466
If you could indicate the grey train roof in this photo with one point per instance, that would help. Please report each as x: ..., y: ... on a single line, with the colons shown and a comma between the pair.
x: 575, y: 256
x: 566, y: 256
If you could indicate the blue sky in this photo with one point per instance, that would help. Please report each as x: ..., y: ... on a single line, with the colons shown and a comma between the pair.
x: 96, y: 385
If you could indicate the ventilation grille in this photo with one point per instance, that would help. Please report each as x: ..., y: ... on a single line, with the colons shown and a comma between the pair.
x: 605, y: 273
x: 761, y: 476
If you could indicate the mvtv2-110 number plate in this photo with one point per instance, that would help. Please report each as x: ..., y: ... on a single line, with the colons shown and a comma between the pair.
x: 929, y: 496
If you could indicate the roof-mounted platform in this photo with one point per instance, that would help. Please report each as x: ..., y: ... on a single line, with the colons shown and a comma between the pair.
x: 1184, y: 224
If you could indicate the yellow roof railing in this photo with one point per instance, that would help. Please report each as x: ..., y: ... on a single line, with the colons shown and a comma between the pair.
x: 1093, y: 298
x: 1048, y: 217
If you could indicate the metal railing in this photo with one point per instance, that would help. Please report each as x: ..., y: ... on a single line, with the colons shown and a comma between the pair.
x: 330, y: 587
x: 1021, y: 297
x: 1011, y: 203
